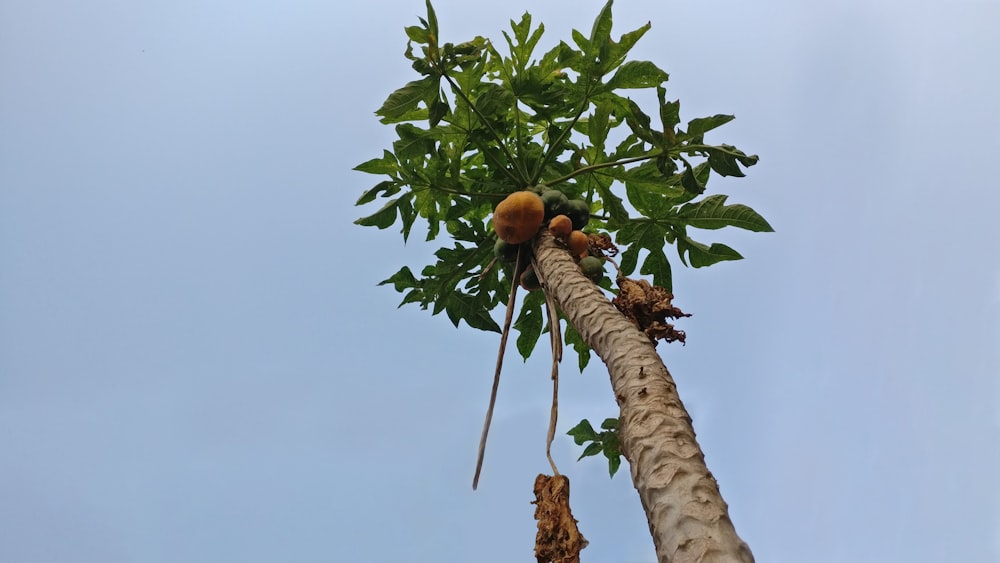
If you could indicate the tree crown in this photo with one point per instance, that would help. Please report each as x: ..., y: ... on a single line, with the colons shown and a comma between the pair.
x: 480, y: 124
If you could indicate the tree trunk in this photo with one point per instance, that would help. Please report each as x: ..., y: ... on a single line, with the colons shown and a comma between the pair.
x: 688, y: 518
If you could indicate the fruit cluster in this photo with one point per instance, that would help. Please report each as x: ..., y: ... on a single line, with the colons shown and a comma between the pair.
x: 518, y: 218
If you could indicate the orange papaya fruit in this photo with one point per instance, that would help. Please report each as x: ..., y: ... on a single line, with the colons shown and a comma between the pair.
x: 518, y: 217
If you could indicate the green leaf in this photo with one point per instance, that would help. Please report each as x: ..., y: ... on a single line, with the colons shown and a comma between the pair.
x: 583, y: 432
x: 698, y: 127
x: 647, y: 202
x: 611, y: 448
x: 700, y: 255
x: 639, y: 123
x: 713, y: 213
x: 610, y: 424
x: 432, y: 21
x: 613, y: 464
x: 495, y: 100
x: 389, y: 187
x: 385, y: 165
x: 637, y: 74
x: 401, y: 280
x: 652, y: 193
x: 613, y: 205
x: 693, y: 179
x: 597, y: 125
x: 600, y: 34
x: 643, y: 232
x: 574, y: 339
x: 407, y: 98
x: 630, y: 259
x: 437, y: 111
x: 383, y: 218
x: 416, y: 34
x: 524, y: 41
x: 413, y: 142
x: 529, y: 323
x: 582, y: 42
x: 612, y: 445
x: 670, y: 112
x: 724, y: 158
x: 592, y: 449
x: 657, y: 265
x: 618, y: 51
x: 406, y: 216
x: 652, y: 236
x: 464, y: 307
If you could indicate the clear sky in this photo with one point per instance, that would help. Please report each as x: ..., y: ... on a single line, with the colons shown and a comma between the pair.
x: 197, y: 366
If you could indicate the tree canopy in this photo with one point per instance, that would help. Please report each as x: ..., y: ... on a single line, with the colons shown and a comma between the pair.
x: 483, y: 121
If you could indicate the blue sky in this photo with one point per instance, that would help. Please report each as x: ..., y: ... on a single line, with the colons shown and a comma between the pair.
x: 196, y: 364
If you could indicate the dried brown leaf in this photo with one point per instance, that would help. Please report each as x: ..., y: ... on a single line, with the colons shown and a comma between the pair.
x: 558, y: 539
x: 648, y: 307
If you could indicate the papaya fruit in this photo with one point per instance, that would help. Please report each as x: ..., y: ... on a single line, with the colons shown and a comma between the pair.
x: 592, y: 267
x: 525, y: 257
x: 578, y: 243
x: 505, y: 252
x: 560, y: 226
x: 555, y: 202
x: 518, y: 217
x: 529, y: 279
x: 579, y: 212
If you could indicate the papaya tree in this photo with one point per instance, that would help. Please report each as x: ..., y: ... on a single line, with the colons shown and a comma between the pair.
x: 494, y: 143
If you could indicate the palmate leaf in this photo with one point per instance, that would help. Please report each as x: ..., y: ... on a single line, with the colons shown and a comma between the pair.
x: 524, y: 42
x: 606, y: 442
x: 713, y: 213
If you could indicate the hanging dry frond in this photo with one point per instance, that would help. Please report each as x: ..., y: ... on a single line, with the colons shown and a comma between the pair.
x: 558, y: 539
x: 602, y: 242
x: 648, y: 307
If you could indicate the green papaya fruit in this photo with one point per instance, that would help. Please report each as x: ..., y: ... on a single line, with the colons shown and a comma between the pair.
x: 505, y: 252
x: 579, y: 212
x: 529, y: 279
x: 555, y: 203
x: 592, y: 267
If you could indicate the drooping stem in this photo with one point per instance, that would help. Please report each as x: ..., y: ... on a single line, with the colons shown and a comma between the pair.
x: 555, y: 339
x: 511, y: 301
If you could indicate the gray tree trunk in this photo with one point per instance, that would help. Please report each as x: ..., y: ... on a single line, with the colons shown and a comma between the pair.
x: 688, y: 518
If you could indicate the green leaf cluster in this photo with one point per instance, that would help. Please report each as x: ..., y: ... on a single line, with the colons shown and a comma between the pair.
x: 606, y: 442
x: 484, y: 120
